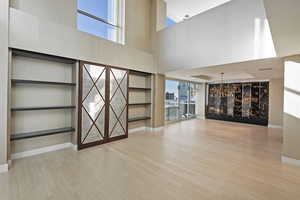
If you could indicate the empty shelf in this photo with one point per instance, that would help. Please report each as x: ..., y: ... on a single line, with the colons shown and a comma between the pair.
x: 30, y: 54
x: 138, y: 73
x: 138, y: 119
x: 137, y: 88
x: 42, y: 108
x: 139, y: 104
x: 41, y: 82
x: 40, y: 133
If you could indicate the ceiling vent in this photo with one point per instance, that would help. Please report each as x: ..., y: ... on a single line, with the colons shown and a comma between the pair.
x: 203, y: 77
x: 265, y: 69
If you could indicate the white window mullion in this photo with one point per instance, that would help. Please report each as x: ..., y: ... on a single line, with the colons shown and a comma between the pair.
x: 114, y: 24
x: 120, y: 16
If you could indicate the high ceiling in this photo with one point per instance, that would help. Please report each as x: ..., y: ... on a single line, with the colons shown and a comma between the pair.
x: 263, y: 69
x: 177, y: 9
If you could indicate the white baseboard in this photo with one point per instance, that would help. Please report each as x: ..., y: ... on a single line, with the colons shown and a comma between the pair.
x: 41, y: 150
x: 290, y: 161
x: 143, y: 128
x: 3, y: 168
x: 274, y: 126
x: 155, y: 129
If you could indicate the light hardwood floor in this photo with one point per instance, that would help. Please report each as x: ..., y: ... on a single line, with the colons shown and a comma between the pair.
x: 196, y: 159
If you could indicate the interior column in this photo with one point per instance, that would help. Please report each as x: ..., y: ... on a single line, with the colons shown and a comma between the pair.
x: 4, y: 12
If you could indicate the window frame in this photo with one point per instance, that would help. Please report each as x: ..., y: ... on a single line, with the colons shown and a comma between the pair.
x: 120, y: 21
x: 189, y: 115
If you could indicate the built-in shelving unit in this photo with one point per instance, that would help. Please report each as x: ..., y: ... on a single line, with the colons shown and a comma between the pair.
x: 140, y: 98
x: 137, y: 88
x: 138, y: 119
x: 40, y: 56
x: 43, y: 93
x: 21, y: 136
x: 20, y: 81
x: 42, y: 108
x: 139, y: 104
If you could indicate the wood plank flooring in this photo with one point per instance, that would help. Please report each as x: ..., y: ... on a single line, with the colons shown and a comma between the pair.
x: 196, y: 159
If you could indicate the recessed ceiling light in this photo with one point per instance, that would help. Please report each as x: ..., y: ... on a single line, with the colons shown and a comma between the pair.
x: 186, y: 17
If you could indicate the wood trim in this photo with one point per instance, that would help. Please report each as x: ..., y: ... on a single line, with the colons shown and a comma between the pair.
x: 79, y: 125
x: 42, y: 108
x: 137, y: 88
x: 22, y: 81
x: 127, y: 117
x: 107, y: 100
x: 126, y: 75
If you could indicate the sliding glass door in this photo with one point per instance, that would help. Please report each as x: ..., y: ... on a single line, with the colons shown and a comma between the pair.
x: 194, y: 93
x: 181, y: 100
x: 171, y: 101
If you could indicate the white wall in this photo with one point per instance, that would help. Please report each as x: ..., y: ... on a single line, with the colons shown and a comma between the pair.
x: 285, y: 25
x: 225, y: 34
x: 291, y: 130
x: 4, y: 79
x: 200, y: 101
x: 36, y: 27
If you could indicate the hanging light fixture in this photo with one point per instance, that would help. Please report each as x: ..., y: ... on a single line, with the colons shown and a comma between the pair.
x: 222, y: 78
x: 222, y: 84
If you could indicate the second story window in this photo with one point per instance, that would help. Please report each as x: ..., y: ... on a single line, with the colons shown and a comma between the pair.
x: 102, y: 18
x: 169, y: 22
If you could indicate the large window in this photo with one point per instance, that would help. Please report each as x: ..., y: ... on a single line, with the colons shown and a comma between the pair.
x: 102, y: 18
x: 181, y: 99
x: 172, y: 97
x: 169, y: 22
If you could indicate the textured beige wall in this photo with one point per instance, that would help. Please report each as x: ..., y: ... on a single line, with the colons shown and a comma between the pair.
x: 276, y: 102
x: 4, y: 79
x: 58, y: 11
x: 158, y: 22
x: 64, y: 12
x: 161, y: 15
x: 159, y: 100
x: 137, y: 32
x: 291, y: 119
x: 52, y: 38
